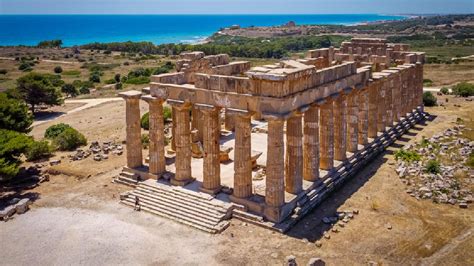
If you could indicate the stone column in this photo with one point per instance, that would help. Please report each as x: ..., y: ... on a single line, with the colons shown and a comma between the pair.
x: 373, y: 110
x: 183, y: 145
x: 294, y: 154
x: 352, y: 121
x: 275, y: 182
x: 242, y: 156
x: 326, y: 136
x: 212, y: 169
x: 388, y: 87
x: 173, y: 130
x: 381, y: 108
x: 396, y: 97
x: 229, y: 123
x: 134, y: 143
x: 157, y: 164
x: 340, y: 127
x: 311, y: 144
x: 419, y: 87
x: 363, y: 117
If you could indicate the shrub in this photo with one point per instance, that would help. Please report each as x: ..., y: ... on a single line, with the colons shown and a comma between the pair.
x: 166, y: 113
x: 427, y: 82
x: 12, y: 145
x: 84, y: 90
x: 95, y: 77
x: 145, y: 121
x: 25, y: 66
x: 118, y: 86
x: 55, y: 130
x: 38, y: 150
x: 3, y: 71
x: 14, y: 114
x: 69, y: 89
x: 69, y: 140
x: 117, y: 78
x: 407, y: 156
x: 429, y: 99
x: 433, y: 167
x: 58, y: 70
x: 444, y: 91
x: 464, y: 89
x: 145, y: 140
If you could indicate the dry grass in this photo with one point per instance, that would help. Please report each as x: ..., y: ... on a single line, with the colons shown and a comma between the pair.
x: 442, y: 74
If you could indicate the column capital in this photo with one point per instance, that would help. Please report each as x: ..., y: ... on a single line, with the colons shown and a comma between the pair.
x: 151, y: 99
x: 130, y: 95
x: 180, y: 105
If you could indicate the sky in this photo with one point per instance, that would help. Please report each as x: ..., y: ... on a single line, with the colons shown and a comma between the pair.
x: 236, y: 6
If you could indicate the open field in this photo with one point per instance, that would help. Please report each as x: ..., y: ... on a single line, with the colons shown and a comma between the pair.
x: 76, y: 216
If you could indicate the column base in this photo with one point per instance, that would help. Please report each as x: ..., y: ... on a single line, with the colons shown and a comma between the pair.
x: 181, y: 183
x: 250, y: 205
x: 273, y: 214
x: 214, y: 191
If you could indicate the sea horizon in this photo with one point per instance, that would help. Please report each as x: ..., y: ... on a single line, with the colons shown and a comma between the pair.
x: 80, y: 29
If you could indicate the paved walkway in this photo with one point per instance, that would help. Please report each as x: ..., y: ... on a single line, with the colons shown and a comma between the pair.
x: 88, y: 103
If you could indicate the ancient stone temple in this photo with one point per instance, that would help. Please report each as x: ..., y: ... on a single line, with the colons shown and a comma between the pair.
x: 307, y: 125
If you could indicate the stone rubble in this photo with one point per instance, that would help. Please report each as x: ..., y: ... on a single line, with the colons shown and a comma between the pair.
x: 100, y: 152
x: 451, y: 184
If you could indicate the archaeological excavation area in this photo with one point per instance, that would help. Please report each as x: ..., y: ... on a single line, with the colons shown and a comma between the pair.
x: 267, y: 144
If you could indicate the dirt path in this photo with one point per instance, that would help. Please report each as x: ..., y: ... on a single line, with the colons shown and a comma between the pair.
x: 87, y: 103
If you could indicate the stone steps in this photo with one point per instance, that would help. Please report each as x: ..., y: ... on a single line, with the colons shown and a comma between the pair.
x: 189, y: 208
x: 127, y: 178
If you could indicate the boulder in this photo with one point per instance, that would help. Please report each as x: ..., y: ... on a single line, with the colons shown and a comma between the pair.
x: 22, y: 206
x: 7, y: 212
x: 316, y: 262
x: 290, y: 261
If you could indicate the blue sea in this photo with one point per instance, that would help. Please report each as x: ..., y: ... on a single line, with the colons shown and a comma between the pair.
x: 83, y: 29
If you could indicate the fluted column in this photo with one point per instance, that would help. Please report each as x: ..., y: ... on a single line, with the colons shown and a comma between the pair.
x: 133, y: 138
x: 397, y: 97
x: 363, y: 117
x: 373, y: 110
x: 381, y: 110
x: 311, y: 144
x: 157, y: 164
x: 326, y: 136
x: 242, y: 157
x: 294, y: 154
x: 340, y: 127
x: 183, y: 145
x: 352, y: 121
x: 275, y: 183
x: 173, y: 130
x: 388, y: 87
x: 419, y: 86
x: 212, y: 168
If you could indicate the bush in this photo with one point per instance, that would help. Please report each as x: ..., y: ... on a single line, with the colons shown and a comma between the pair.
x: 444, y: 91
x: 166, y: 113
x: 464, y: 89
x: 145, y: 140
x: 118, y: 86
x: 407, y: 156
x: 95, y: 77
x: 145, y: 121
x: 58, y: 70
x: 38, y: 150
x: 12, y: 145
x: 117, y: 78
x: 25, y: 66
x: 55, y: 130
x: 427, y: 82
x: 14, y: 114
x: 84, y: 90
x: 429, y: 99
x: 69, y: 89
x: 433, y: 167
x: 69, y: 140
x: 3, y: 71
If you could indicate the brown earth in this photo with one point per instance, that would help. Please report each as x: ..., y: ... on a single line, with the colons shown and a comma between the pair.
x: 76, y: 217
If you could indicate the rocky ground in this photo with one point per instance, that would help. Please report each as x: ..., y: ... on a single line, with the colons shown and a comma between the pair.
x: 76, y: 218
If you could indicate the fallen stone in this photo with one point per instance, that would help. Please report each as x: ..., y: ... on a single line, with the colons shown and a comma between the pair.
x: 22, y: 206
x: 316, y: 262
x: 7, y: 212
x: 54, y: 162
x: 463, y: 205
x: 318, y: 244
x: 290, y: 260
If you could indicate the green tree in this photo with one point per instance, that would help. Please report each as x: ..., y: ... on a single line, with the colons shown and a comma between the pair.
x: 12, y: 145
x: 429, y: 99
x: 38, y: 150
x: 117, y: 77
x: 58, y: 70
x: 37, y: 89
x: 69, y: 90
x: 95, y: 77
x: 14, y: 114
x: 54, y: 130
x: 69, y: 140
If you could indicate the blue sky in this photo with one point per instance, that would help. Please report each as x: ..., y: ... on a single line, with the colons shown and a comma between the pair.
x: 235, y: 6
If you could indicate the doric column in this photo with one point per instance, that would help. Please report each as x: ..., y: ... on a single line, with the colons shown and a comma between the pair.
x: 311, y: 144
x: 373, y: 110
x: 294, y: 154
x: 388, y: 87
x: 242, y: 156
x: 173, y: 130
x: 419, y: 82
x: 212, y: 168
x: 396, y: 96
x: 183, y: 145
x: 275, y: 182
x: 229, y: 123
x: 381, y: 108
x: 134, y: 143
x: 340, y: 127
x: 363, y: 117
x: 352, y: 121
x: 326, y: 136
x: 157, y: 164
